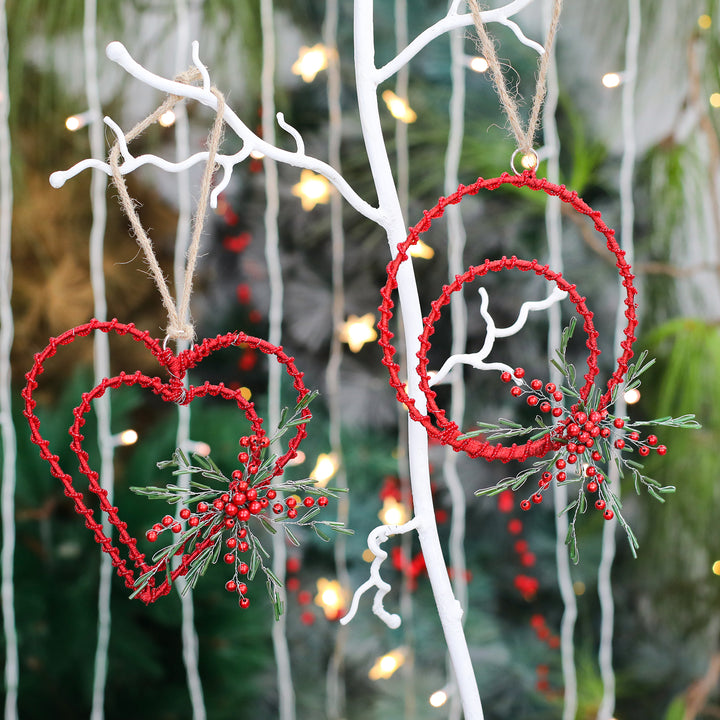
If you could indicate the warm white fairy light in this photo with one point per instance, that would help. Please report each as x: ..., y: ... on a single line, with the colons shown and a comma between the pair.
x: 74, y: 122
x: 421, y: 250
x: 716, y: 567
x: 398, y: 107
x: 312, y: 190
x: 478, y: 65
x: 612, y: 80
x: 310, y: 62
x: 704, y: 22
x: 529, y: 161
x: 438, y: 698
x: 330, y: 597
x: 128, y: 437
x: 632, y: 396
x: 386, y: 665
x: 325, y: 467
x: 393, y: 512
x: 579, y: 587
x: 356, y: 331
x: 715, y: 99
x: 257, y: 155
x: 167, y: 119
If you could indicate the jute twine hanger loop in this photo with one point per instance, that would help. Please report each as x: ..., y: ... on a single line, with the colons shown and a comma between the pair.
x: 179, y: 325
x: 524, y: 137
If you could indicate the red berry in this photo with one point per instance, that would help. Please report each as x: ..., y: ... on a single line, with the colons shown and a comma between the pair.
x: 243, y: 514
x: 202, y: 507
x: 231, y: 509
x: 525, y: 504
x: 264, y: 441
x: 661, y: 449
x: 572, y: 447
x: 584, y: 437
x: 239, y: 498
x: 557, y: 412
x: 243, y: 546
x: 243, y: 457
x: 560, y: 463
x: 237, y: 474
x: 545, y: 407
x: 229, y: 558
x: 581, y: 418
x: 242, y: 588
x: 323, y: 501
x: 229, y: 522
x: 589, y: 442
x: 561, y: 476
x: 536, y: 384
x: 308, y: 502
x: 533, y: 400
x: 254, y: 507
x: 608, y: 514
x: 225, y: 497
x: 600, y: 478
x: 151, y: 535
x: 157, y: 526
x: 218, y: 504
x: 550, y: 388
x: 278, y: 508
x: 546, y: 476
x: 243, y: 568
x: 292, y: 513
x: 596, y: 456
x: 244, y: 603
x: 592, y: 470
x: 605, y: 432
x: 572, y: 458
x: 242, y: 486
x: 595, y: 416
x: 242, y: 533
x: 231, y: 543
x: 595, y: 431
x: 176, y: 528
x: 244, y: 441
x: 251, y: 494
x: 557, y: 396
x: 592, y: 486
x: 264, y: 502
x: 600, y: 504
x: 506, y: 377
x: 634, y: 435
x: 536, y: 498
x: 516, y: 391
x: 619, y: 423
x: 185, y: 513
x: 519, y: 372
x: 580, y: 449
x: 168, y: 520
x: 231, y: 586
x: 652, y: 439
x: 644, y: 450
x: 193, y: 521
x: 619, y: 443
x: 271, y: 494
x: 573, y: 430
x: 291, y: 502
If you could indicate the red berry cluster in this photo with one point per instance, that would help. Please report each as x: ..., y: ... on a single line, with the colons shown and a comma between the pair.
x: 231, y: 511
x: 585, y: 437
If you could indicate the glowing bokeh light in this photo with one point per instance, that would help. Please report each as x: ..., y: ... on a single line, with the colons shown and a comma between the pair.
x: 356, y: 331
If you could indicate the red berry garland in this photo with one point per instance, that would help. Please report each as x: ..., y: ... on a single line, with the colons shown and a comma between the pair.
x: 434, y: 421
x: 170, y: 390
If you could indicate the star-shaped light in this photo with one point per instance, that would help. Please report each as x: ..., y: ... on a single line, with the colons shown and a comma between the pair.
x: 312, y: 190
x: 356, y: 331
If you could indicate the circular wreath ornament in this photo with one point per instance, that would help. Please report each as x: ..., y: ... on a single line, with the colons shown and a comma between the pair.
x: 434, y: 419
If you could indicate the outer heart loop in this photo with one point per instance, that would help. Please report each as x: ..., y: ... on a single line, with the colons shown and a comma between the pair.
x: 173, y: 390
x: 434, y: 420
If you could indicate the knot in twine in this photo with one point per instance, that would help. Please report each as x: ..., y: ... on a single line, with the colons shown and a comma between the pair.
x: 179, y: 325
x: 524, y: 137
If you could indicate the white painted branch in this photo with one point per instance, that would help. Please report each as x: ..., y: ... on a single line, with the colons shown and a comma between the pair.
x: 476, y: 359
x: 251, y: 142
x: 451, y: 21
x: 375, y: 539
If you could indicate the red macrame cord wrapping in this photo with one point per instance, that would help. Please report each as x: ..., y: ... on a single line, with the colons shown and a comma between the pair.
x: 448, y: 432
x: 171, y: 391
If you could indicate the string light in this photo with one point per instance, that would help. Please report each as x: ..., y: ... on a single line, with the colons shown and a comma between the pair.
x: 716, y: 567
x: 330, y: 597
x: 312, y: 190
x: 125, y: 438
x: 632, y: 396
x: 386, y: 665
x: 421, y: 250
x: 368, y: 555
x: 398, y: 107
x: 325, y: 467
x: 356, y: 331
x: 612, y: 80
x: 438, y: 698
x: 256, y: 155
x: 310, y: 62
x: 393, y: 512
x: 167, y: 119
x: 529, y: 161
x: 299, y: 459
x: 579, y: 587
x: 715, y: 99
x: 75, y: 122
x: 704, y: 22
x: 478, y: 65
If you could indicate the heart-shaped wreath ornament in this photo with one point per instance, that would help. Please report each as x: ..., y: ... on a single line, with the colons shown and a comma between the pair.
x: 221, y: 515
x: 578, y: 438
